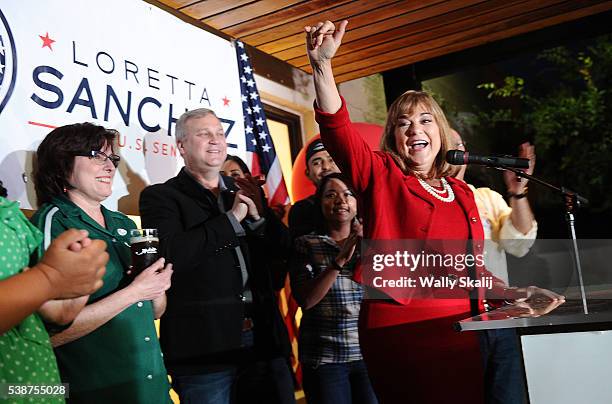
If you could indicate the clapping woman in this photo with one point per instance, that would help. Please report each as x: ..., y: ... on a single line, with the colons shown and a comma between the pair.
x: 321, y: 278
x: 110, y: 353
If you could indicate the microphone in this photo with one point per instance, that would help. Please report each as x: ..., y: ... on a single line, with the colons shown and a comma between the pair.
x: 458, y: 157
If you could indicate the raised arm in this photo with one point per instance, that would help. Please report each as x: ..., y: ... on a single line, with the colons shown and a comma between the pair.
x: 519, y: 229
x: 521, y: 216
x: 322, y: 42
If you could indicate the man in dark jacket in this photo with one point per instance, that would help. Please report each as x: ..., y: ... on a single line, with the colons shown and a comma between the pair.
x: 318, y: 165
x: 222, y: 334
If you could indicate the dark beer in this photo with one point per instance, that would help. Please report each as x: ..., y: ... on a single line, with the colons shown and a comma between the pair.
x: 144, y: 244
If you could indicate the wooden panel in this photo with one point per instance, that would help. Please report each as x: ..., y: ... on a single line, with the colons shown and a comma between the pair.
x: 426, y: 30
x: 284, y: 16
x: 271, y: 68
x: 502, y: 30
x: 207, y: 8
x: 354, y: 22
x: 176, y: 4
x: 189, y: 20
x: 425, y: 42
x: 361, y: 28
x: 383, y: 34
x: 247, y: 12
x: 297, y: 26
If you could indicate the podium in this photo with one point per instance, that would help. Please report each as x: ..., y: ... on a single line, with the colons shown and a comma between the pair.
x: 566, y: 354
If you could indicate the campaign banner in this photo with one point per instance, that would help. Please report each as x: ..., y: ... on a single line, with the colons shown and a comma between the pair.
x: 122, y: 64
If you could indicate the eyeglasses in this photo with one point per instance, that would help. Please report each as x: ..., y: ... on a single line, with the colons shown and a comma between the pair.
x: 101, y: 157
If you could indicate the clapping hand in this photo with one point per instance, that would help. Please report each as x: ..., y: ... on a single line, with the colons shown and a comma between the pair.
x: 348, y: 248
x: 74, y: 264
x: 251, y: 187
x: 513, y: 185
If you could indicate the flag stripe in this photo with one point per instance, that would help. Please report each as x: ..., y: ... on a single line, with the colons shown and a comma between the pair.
x: 262, y: 154
x: 257, y: 134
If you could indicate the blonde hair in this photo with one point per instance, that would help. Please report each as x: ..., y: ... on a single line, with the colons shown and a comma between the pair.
x: 180, y: 130
x: 406, y: 104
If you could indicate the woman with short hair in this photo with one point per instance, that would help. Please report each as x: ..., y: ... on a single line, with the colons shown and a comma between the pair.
x: 408, y: 342
x: 110, y: 353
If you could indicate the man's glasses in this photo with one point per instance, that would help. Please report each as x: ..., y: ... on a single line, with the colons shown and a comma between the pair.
x: 101, y: 157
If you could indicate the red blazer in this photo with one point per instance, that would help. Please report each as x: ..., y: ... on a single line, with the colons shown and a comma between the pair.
x: 397, y: 206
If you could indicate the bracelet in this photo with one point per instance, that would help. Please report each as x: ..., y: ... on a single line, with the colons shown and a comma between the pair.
x: 336, y: 266
x: 517, y: 196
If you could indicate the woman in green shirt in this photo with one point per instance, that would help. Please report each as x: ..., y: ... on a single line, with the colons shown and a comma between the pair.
x: 111, y: 352
x: 26, y: 356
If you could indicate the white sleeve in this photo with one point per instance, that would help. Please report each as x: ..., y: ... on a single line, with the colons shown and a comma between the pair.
x: 515, y: 242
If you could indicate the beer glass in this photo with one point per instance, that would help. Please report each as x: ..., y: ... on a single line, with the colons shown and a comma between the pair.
x: 144, y: 244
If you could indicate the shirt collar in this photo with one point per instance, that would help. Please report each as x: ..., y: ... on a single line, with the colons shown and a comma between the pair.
x: 67, y: 207
x: 222, y: 186
x: 70, y: 209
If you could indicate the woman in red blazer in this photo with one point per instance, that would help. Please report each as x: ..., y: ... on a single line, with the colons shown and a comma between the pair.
x: 412, y: 353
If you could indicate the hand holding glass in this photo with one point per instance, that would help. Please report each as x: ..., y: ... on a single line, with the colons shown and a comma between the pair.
x: 144, y: 244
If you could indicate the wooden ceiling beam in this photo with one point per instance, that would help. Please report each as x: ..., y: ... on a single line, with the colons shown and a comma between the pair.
x: 336, y: 13
x: 411, y: 55
x: 383, y: 34
x: 247, y: 13
x: 284, y: 16
x: 359, y: 36
x: 425, y: 31
x: 208, y: 8
x: 357, y: 21
x: 176, y: 4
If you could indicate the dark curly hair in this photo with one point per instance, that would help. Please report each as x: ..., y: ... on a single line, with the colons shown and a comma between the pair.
x: 3, y: 191
x: 55, y: 156
x: 320, y: 223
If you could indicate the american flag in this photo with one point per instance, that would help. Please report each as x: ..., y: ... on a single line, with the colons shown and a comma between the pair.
x: 265, y: 161
x: 258, y: 140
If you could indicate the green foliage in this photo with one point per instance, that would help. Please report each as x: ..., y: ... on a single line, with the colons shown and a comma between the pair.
x: 569, y: 111
x: 449, y: 109
x: 512, y: 87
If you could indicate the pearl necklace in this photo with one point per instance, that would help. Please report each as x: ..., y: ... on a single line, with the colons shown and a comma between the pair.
x: 436, y: 193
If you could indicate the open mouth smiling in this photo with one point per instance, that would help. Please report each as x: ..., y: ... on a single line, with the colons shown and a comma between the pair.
x: 419, y: 145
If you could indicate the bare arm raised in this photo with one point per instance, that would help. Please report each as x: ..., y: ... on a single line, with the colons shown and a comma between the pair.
x: 348, y: 149
x: 322, y: 43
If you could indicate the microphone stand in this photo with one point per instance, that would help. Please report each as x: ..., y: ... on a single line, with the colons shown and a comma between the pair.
x: 573, y: 201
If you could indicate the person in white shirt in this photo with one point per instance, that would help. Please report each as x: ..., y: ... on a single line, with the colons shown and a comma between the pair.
x: 508, y: 229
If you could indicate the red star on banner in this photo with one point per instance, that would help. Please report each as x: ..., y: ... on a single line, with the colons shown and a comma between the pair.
x: 47, y: 41
x: 226, y: 101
